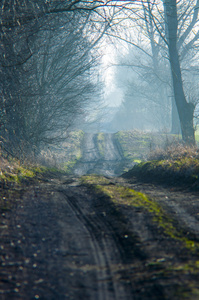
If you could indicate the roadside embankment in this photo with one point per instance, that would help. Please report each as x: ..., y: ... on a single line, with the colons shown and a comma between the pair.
x: 177, y: 165
x: 163, y: 224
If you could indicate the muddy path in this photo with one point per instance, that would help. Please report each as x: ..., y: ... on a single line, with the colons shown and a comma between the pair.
x: 60, y: 239
x: 57, y: 244
x: 105, y: 158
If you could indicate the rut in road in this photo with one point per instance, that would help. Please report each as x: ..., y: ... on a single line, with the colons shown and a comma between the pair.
x: 108, y: 160
x: 104, y: 251
x: 63, y: 239
x: 63, y: 248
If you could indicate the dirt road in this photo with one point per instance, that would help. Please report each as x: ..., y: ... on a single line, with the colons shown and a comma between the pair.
x: 62, y: 239
x: 57, y: 244
x: 104, y: 160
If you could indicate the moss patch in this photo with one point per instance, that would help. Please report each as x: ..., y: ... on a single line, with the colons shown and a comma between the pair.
x: 16, y: 173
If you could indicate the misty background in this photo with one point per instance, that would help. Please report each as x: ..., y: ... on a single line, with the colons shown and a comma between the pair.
x: 96, y: 66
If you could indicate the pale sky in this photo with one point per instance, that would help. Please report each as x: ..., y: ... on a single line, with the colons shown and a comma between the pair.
x: 113, y: 95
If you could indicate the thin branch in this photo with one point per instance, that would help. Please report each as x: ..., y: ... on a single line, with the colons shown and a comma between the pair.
x: 129, y: 42
x: 190, y: 27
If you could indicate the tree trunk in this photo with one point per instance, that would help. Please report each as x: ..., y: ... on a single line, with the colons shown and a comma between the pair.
x: 185, y: 110
x: 175, y: 121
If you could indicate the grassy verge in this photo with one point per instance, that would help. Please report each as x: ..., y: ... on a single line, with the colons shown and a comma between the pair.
x: 186, y: 268
x: 137, y: 145
x: 101, y: 143
x: 175, y: 165
x: 13, y: 176
x: 11, y: 171
x: 72, y: 152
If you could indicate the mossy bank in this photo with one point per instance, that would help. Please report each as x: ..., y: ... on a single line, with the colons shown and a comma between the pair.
x: 179, y: 256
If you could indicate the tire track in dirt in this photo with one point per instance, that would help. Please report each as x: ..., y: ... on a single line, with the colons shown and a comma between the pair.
x: 107, y: 162
x: 63, y: 240
x: 111, y: 152
x: 102, y: 242
x: 90, y: 151
x: 57, y: 246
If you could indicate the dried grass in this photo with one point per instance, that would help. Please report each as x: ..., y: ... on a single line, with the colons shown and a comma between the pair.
x: 174, y: 152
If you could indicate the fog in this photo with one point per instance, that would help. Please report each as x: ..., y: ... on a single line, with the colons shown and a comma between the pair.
x: 138, y: 91
x: 98, y: 67
x: 132, y: 97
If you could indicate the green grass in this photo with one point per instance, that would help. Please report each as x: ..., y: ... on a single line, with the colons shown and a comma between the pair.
x: 16, y: 173
x: 69, y: 165
x: 13, y: 174
x: 135, y: 144
x: 197, y: 135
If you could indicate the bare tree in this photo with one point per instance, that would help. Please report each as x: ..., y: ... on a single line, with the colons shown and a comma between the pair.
x: 171, y: 28
x: 46, y: 66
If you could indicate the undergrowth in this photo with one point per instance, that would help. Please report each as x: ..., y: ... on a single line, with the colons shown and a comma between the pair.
x: 175, y: 163
x: 174, y: 152
x: 11, y: 171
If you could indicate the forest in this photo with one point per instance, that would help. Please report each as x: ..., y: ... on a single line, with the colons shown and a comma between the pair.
x: 50, y: 67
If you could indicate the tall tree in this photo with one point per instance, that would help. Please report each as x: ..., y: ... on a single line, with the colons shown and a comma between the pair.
x: 171, y: 28
x: 185, y: 109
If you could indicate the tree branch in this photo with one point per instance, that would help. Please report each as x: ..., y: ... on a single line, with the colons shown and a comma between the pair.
x: 190, y: 27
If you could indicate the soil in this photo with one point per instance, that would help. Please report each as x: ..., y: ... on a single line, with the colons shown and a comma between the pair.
x: 60, y: 239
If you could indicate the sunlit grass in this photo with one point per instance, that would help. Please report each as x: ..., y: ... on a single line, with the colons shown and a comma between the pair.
x: 12, y: 171
x: 101, y: 143
x: 137, y: 145
x: 176, y: 162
